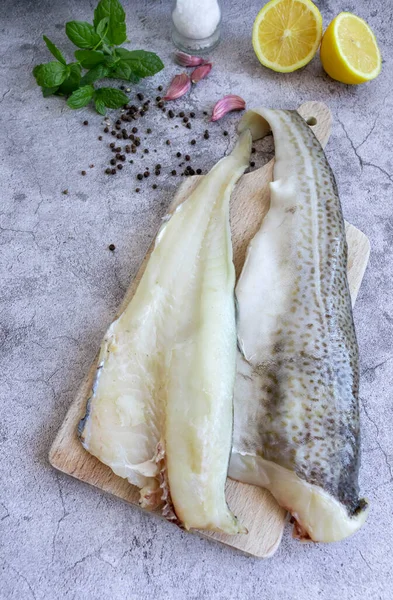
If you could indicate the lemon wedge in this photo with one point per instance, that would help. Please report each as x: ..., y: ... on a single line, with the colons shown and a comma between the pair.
x: 349, y: 50
x: 286, y: 34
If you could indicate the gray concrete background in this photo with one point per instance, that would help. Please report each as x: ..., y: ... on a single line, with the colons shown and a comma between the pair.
x: 60, y: 287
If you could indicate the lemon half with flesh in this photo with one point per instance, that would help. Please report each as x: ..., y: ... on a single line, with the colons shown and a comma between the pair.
x: 349, y: 50
x: 286, y: 34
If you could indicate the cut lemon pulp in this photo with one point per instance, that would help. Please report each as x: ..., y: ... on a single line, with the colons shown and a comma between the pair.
x: 349, y: 50
x: 287, y: 34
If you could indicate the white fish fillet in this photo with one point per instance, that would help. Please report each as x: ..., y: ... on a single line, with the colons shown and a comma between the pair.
x: 161, y: 412
x: 296, y: 427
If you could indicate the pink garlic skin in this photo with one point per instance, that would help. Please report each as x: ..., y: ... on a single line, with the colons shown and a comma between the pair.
x: 186, y: 60
x: 201, y: 72
x: 226, y: 105
x: 180, y: 85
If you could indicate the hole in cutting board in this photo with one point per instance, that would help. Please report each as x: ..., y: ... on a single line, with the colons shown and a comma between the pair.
x: 311, y: 121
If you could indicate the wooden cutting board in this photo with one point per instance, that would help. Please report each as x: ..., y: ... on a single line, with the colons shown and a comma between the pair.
x: 255, y: 507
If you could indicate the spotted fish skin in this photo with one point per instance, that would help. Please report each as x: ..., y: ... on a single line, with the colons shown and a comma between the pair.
x: 296, y: 428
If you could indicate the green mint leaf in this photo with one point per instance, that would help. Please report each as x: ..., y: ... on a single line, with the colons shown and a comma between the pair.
x: 82, y: 34
x: 101, y: 27
x: 122, y: 70
x: 81, y: 97
x: 100, y: 106
x: 49, y: 91
x: 89, y: 58
x: 111, y: 97
x: 72, y: 82
x: 50, y: 74
x: 113, y: 10
x: 54, y: 50
x: 141, y: 63
x: 96, y: 73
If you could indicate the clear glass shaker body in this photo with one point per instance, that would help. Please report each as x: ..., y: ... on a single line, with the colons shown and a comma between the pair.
x: 196, y: 25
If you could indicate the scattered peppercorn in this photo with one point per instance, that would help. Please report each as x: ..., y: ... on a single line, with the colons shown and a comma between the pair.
x: 122, y: 157
x: 142, y: 112
x: 111, y: 247
x: 253, y: 150
x: 168, y: 142
x: 206, y: 135
x: 108, y: 171
x: 188, y: 125
x: 106, y: 130
x: 135, y: 130
x: 225, y: 133
x: 112, y: 145
x: 120, y: 167
x: 113, y: 132
x: 83, y: 172
x: 113, y: 171
x: 154, y: 186
x: 112, y: 161
x: 198, y: 171
x: 127, y: 149
x: 131, y: 161
x: 137, y: 142
x: 158, y: 166
x: 192, y: 115
x: 160, y: 104
x: 133, y: 149
x: 65, y: 192
x: 146, y: 151
x: 146, y: 174
x: 193, y: 142
x: 119, y: 136
x: 148, y: 130
x: 118, y: 149
x: 158, y: 98
x: 178, y: 154
x: 140, y: 96
x: 187, y: 157
x: 139, y: 176
x: 252, y: 164
x: 160, y: 88
x: 91, y: 166
x: 205, y: 113
x: 173, y: 172
x: 137, y: 190
x: 185, y: 120
x: 100, y: 138
x: 85, y: 122
x: 181, y: 114
x: 171, y: 114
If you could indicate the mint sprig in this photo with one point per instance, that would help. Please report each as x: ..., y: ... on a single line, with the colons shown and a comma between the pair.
x: 99, y: 55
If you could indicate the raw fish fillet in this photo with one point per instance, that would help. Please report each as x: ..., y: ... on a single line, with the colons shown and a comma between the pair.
x: 296, y: 427
x: 161, y: 411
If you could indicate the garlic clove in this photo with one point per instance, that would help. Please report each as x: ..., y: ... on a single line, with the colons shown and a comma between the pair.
x: 186, y: 60
x: 226, y: 105
x: 180, y: 85
x: 201, y: 72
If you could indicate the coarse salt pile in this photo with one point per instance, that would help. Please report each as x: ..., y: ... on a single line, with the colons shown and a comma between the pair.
x: 196, y: 19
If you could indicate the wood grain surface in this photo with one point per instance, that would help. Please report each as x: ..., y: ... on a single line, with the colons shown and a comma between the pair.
x: 255, y: 507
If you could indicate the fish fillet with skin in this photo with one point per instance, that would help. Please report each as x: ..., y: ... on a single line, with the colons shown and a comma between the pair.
x: 296, y: 428
x: 161, y: 412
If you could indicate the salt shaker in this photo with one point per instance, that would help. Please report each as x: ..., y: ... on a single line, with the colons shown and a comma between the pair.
x: 196, y: 25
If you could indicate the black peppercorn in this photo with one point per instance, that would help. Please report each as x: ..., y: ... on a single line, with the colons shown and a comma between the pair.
x: 253, y: 150
x: 160, y: 88
x: 146, y: 151
x: 85, y: 122
x: 112, y: 145
x: 135, y: 130
x: 168, y: 142
x: 178, y: 154
x: 187, y: 157
x: 206, y: 135
x: 113, y: 171
x: 122, y: 157
x: 100, y: 138
x: 181, y: 114
x: 140, y: 96
x: 111, y: 247
x: 106, y: 130
x: 192, y: 115
x: 112, y: 161
x: 137, y: 142
x: 139, y: 176
x: 173, y: 172
x: 154, y: 186
x: 252, y: 164
x: 158, y: 98
x: 185, y: 120
x: 225, y: 133
x: 171, y: 114
x: 160, y: 104
x: 137, y: 190
x: 198, y: 171
x: 158, y: 166
x: 188, y: 125
x: 83, y: 172
x: 193, y: 142
x: 108, y: 171
x: 119, y: 167
x: 148, y: 130
x: 146, y: 174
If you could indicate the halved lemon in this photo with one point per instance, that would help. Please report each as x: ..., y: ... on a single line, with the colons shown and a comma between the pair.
x: 349, y: 50
x: 286, y: 34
